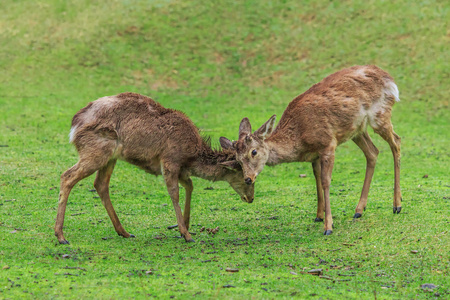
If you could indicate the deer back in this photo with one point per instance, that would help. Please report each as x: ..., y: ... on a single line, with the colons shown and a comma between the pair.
x: 144, y: 131
x: 338, y: 107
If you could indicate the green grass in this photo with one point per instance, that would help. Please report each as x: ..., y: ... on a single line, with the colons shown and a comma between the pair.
x: 220, y: 61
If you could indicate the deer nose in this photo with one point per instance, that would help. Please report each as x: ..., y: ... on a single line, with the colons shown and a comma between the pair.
x: 247, y: 199
x: 248, y: 180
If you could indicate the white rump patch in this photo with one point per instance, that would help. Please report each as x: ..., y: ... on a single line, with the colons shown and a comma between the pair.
x: 72, y: 134
x: 392, y: 89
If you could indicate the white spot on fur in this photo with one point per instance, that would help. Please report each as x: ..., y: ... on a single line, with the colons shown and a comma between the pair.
x: 162, y: 168
x: 269, y: 127
x: 106, y: 102
x: 392, y: 90
x: 360, y: 72
x: 376, y: 108
x: 102, y: 104
x: 72, y: 134
x: 361, y: 119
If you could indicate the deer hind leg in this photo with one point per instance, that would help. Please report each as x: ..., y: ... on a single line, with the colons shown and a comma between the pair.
x: 171, y: 177
x: 101, y: 184
x: 371, y: 152
x: 326, y: 165
x: 387, y: 133
x: 94, y: 155
x: 69, y: 178
x: 320, y: 201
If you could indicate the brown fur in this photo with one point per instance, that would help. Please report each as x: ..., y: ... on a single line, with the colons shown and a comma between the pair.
x: 161, y: 141
x: 331, y: 112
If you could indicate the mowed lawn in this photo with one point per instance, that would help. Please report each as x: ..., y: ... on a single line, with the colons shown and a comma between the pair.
x: 220, y: 61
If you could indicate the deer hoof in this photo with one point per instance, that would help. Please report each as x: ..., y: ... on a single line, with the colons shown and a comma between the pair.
x: 357, y: 215
x: 328, y: 232
x: 64, y: 242
x: 127, y: 235
x: 190, y: 241
x: 318, y: 220
x: 397, y: 210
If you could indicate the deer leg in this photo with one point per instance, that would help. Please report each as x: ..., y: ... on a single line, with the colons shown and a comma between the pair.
x: 68, y: 180
x: 320, y: 201
x: 171, y: 177
x: 186, y: 182
x: 371, y: 152
x: 395, y: 148
x: 189, y: 187
x: 326, y: 165
x: 101, y: 184
x: 394, y: 141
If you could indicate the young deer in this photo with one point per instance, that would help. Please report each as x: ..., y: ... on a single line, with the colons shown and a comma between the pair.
x: 159, y: 140
x: 331, y: 112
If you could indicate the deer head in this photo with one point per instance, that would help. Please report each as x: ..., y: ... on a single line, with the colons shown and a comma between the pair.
x: 252, y: 152
x: 235, y: 175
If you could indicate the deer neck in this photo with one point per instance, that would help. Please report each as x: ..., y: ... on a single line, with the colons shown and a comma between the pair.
x: 207, y: 164
x: 207, y: 172
x: 281, y: 149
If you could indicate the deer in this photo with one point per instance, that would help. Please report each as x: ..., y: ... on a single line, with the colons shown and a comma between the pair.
x: 161, y: 141
x: 331, y: 112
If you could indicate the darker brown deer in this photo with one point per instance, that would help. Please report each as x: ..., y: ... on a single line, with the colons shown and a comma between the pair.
x: 161, y: 141
x: 337, y: 109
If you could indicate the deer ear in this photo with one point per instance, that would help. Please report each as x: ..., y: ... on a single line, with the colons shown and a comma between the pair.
x: 231, y: 165
x: 225, y: 143
x: 266, y: 129
x: 245, y: 128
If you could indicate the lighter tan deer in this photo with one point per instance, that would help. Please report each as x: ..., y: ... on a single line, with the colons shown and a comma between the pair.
x: 331, y: 112
x: 159, y: 140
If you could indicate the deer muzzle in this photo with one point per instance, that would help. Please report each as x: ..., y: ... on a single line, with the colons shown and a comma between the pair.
x: 247, y: 199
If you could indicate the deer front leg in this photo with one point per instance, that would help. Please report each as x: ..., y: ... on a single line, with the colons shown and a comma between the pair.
x: 186, y: 182
x: 320, y: 202
x: 326, y: 164
x: 171, y: 178
x: 188, y: 187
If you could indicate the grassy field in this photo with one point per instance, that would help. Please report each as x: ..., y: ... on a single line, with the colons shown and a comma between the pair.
x: 220, y: 61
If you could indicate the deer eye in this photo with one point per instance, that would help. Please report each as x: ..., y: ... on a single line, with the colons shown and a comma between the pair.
x: 254, y: 152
